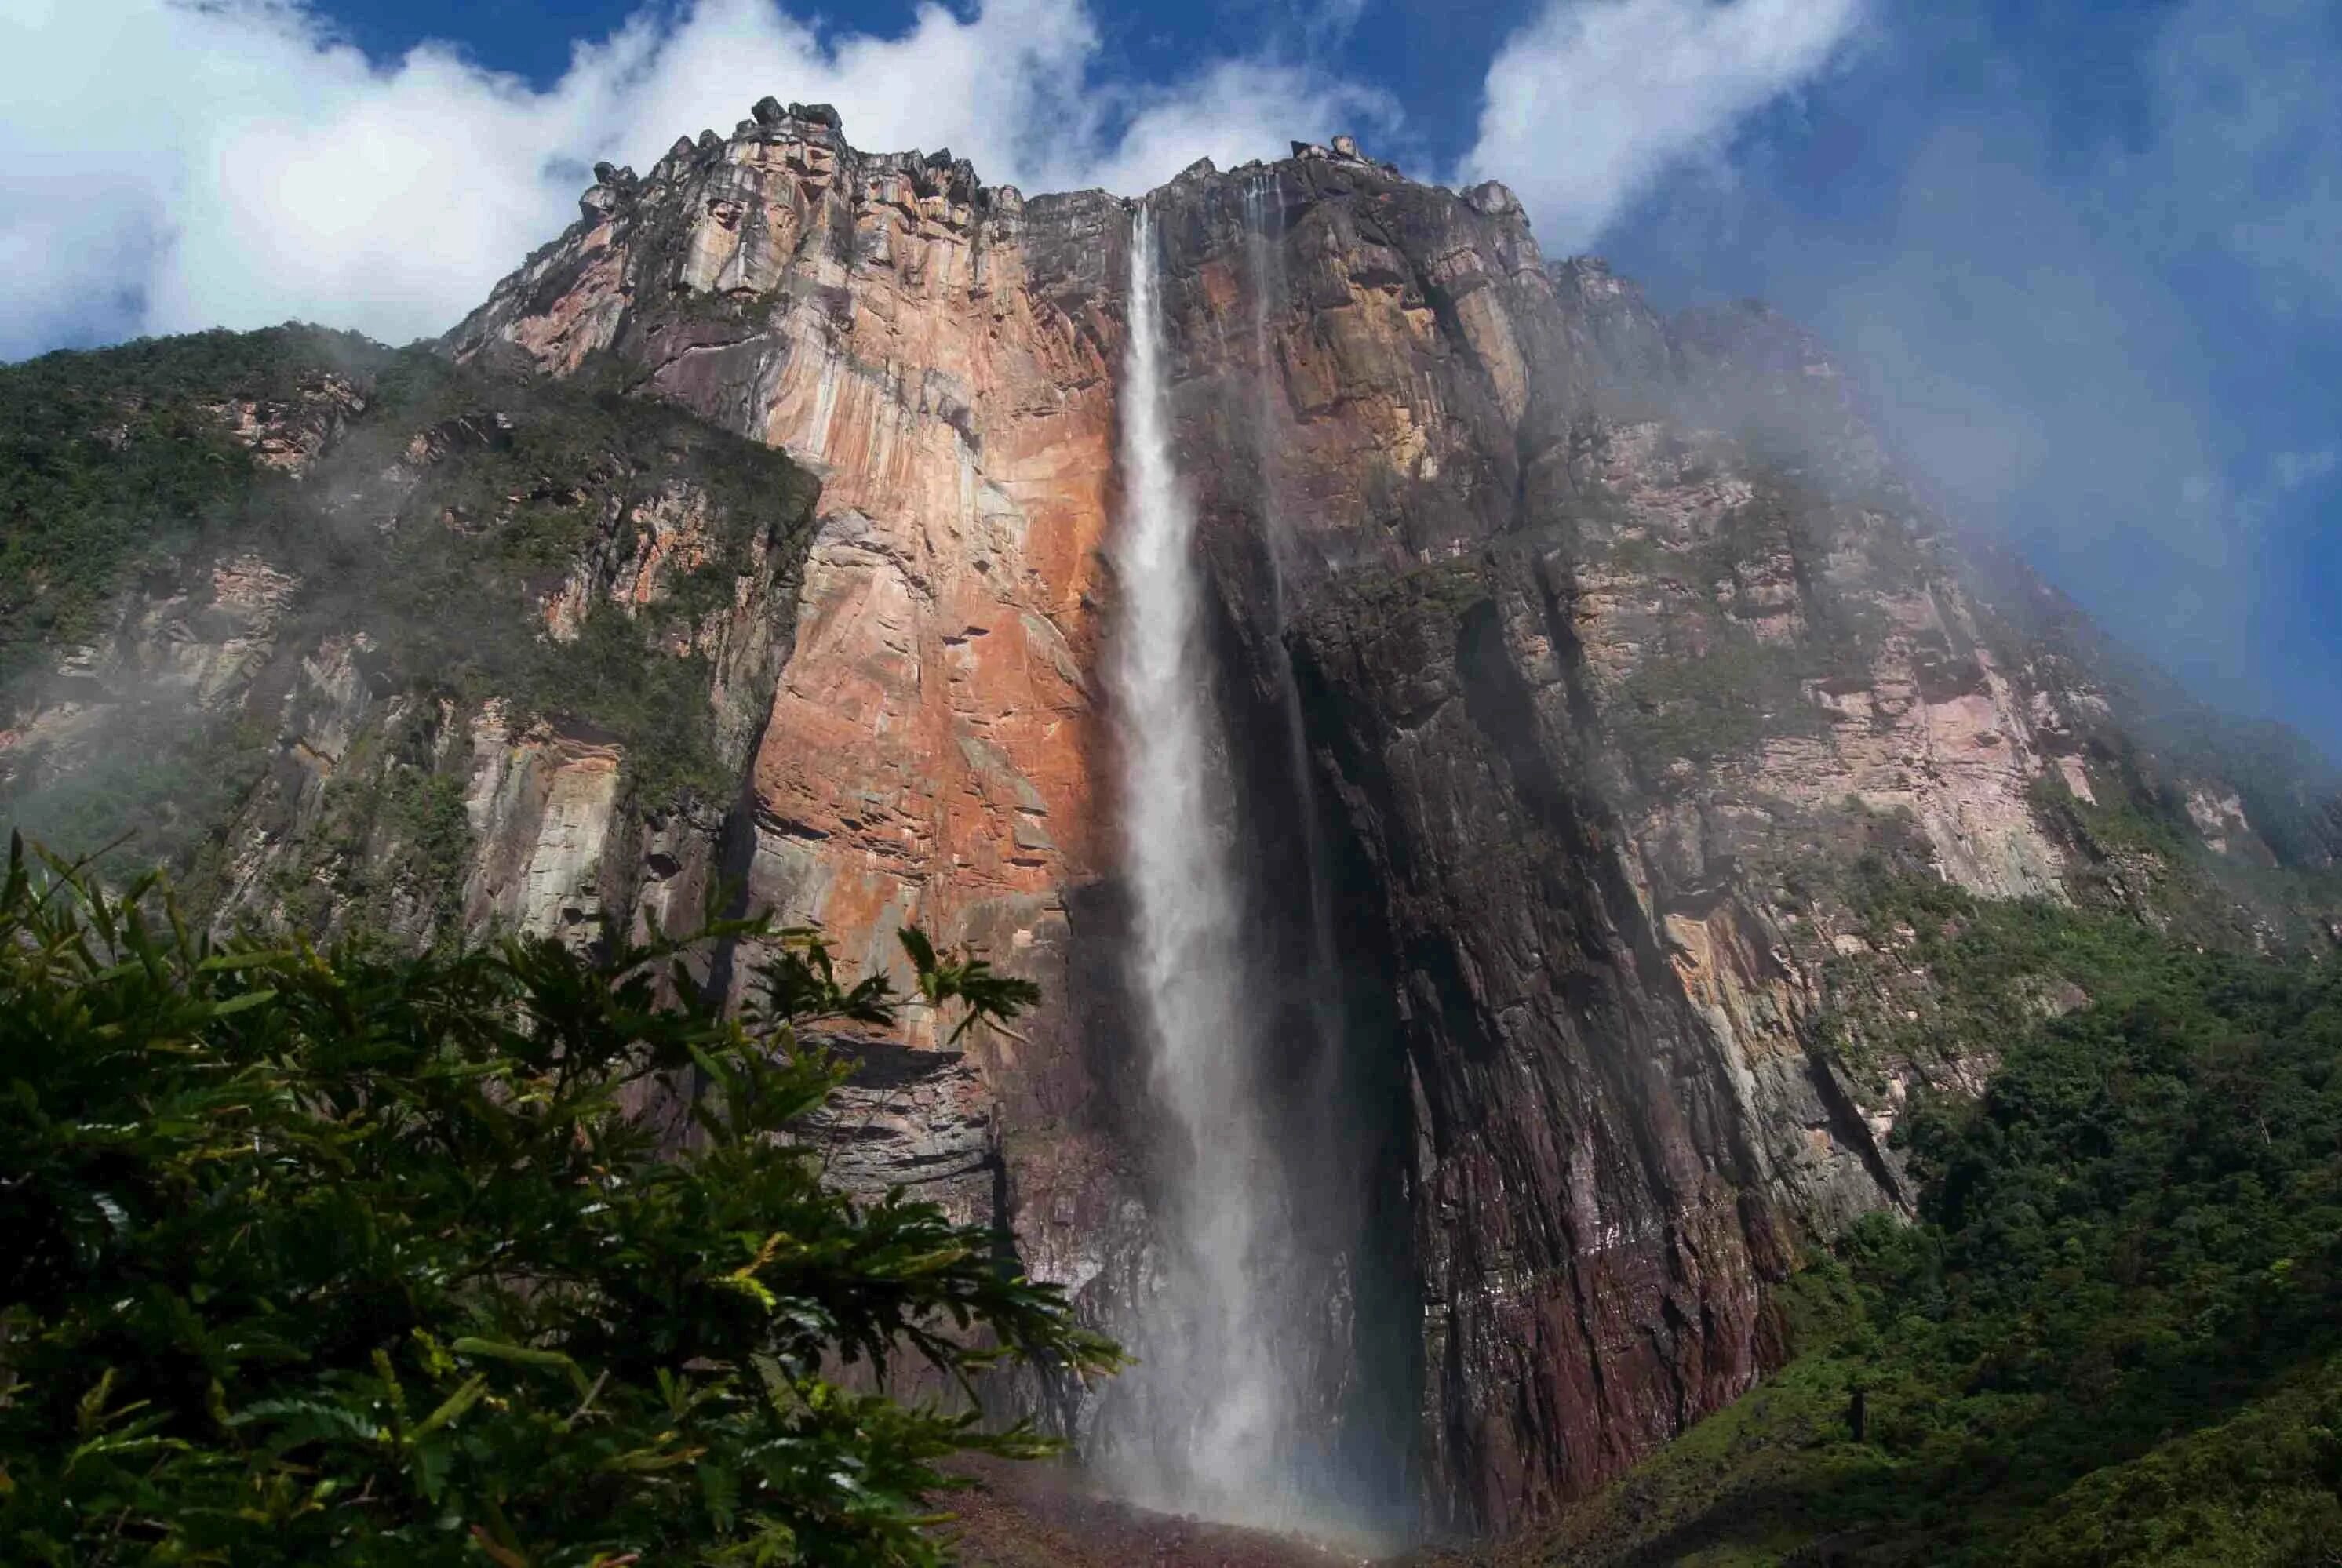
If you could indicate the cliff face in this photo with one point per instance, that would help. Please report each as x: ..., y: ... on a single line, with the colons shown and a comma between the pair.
x: 1569, y: 660
x: 941, y: 356
x: 1605, y: 643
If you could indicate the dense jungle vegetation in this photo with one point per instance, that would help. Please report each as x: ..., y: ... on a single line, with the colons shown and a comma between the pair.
x: 356, y: 1255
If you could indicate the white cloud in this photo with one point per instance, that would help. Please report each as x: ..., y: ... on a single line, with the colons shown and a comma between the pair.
x: 165, y: 166
x: 168, y: 165
x: 1595, y: 98
x: 1235, y: 111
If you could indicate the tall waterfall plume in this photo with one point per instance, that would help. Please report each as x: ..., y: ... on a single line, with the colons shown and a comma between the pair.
x: 1208, y: 1425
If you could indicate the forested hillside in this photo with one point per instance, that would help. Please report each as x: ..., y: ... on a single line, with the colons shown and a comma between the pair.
x: 2113, y: 1334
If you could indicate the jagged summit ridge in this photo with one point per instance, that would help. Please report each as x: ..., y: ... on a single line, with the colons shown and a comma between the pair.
x: 1423, y: 389
x: 818, y: 126
x: 955, y: 178
x: 1576, y: 662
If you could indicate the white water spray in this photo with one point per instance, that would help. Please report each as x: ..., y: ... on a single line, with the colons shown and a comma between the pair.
x: 1214, y: 1404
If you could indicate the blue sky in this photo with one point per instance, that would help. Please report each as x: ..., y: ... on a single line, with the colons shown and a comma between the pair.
x: 2087, y: 252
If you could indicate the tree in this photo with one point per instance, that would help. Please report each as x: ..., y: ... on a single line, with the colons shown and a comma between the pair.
x: 368, y: 1258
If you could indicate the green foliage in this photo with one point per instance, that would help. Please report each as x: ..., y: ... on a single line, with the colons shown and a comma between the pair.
x: 435, y: 832
x: 1709, y: 687
x: 156, y: 785
x: 2114, y: 1335
x: 1975, y: 971
x: 2153, y: 825
x: 656, y: 705
x: 2139, y: 1221
x: 2138, y: 850
x: 114, y: 461
x: 394, y: 834
x: 354, y: 1258
x: 527, y: 476
x: 2286, y: 786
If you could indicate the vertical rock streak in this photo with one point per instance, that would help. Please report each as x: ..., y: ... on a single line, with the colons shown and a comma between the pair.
x: 1283, y: 549
x: 1351, y: 1471
x: 1208, y: 1429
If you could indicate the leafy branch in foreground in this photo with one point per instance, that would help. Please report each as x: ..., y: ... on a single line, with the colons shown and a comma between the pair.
x: 343, y: 1256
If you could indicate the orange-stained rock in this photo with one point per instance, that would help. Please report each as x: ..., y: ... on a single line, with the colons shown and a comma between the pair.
x: 941, y: 356
x: 1572, y: 668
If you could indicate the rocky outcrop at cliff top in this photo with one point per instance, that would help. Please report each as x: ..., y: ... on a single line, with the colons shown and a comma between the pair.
x: 1616, y: 638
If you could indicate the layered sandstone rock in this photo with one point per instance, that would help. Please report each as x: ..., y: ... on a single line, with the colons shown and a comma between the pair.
x: 941, y: 354
x: 1567, y: 659
x: 287, y: 434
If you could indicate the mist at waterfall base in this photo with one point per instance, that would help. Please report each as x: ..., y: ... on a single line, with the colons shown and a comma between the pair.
x: 1245, y: 1311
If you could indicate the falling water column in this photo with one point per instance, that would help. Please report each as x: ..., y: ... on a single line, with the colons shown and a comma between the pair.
x: 1214, y: 1399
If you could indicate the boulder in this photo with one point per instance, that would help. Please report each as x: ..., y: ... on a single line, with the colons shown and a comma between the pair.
x: 818, y: 115
x: 768, y: 110
x: 1492, y: 198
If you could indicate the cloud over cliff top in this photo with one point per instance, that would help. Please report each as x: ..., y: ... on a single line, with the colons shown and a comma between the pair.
x: 1591, y: 102
x: 171, y: 166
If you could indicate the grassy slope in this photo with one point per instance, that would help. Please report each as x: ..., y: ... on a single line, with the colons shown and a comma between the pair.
x: 1777, y: 1478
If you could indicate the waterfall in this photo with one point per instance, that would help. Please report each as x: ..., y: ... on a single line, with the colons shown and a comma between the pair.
x: 1211, y: 1401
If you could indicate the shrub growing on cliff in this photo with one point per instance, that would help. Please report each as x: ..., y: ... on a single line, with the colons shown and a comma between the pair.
x: 343, y: 1257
